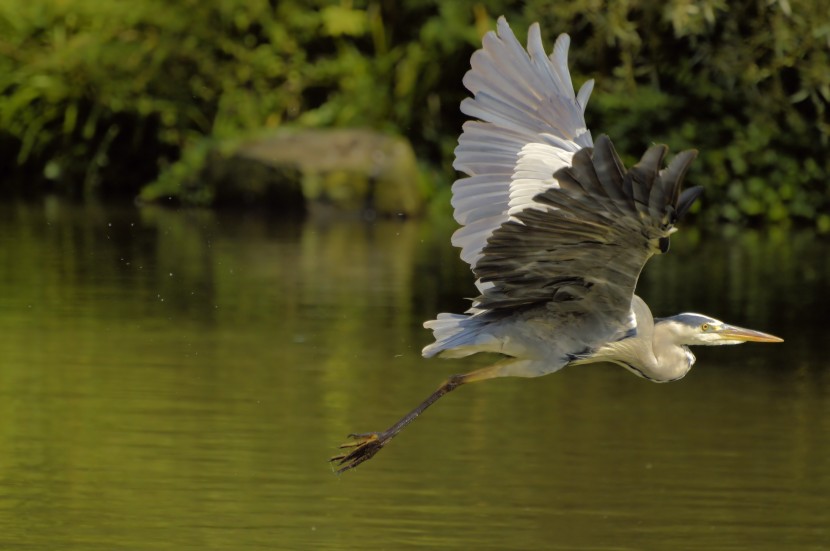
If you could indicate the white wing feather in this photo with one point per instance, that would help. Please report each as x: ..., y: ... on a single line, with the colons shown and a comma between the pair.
x: 529, y: 124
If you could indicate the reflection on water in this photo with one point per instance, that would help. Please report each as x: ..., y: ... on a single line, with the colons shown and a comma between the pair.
x: 176, y: 380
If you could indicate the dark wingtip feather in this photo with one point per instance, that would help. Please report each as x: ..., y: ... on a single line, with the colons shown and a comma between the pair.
x: 572, y: 178
x: 652, y: 159
x: 675, y: 173
x: 609, y: 167
x: 644, y: 188
x: 644, y: 174
x: 647, y: 169
x: 687, y: 199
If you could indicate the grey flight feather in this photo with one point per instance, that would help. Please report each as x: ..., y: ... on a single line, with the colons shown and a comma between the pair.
x: 521, y: 96
x: 588, y: 239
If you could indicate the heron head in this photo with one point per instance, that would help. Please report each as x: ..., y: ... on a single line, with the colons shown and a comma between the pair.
x: 698, y: 329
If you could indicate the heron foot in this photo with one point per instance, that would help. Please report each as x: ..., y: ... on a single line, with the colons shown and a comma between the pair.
x: 363, y: 447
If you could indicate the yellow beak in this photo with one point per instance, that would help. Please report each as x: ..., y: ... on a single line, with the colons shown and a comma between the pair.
x: 740, y: 334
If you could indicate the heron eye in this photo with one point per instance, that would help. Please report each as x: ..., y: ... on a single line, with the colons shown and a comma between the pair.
x: 705, y: 327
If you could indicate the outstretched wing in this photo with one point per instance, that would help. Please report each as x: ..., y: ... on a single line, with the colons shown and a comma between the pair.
x: 583, y: 245
x: 529, y: 125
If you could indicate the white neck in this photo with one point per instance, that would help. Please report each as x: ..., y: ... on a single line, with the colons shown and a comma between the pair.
x: 653, y: 354
x: 673, y: 360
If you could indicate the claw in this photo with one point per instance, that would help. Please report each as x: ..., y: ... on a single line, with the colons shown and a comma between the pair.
x: 359, y: 439
x: 364, y: 434
x: 365, y: 446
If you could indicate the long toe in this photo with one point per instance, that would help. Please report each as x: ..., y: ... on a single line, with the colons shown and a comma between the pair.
x: 359, y: 439
x: 365, y: 446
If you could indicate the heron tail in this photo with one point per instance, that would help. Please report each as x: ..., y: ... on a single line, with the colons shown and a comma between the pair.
x: 457, y: 335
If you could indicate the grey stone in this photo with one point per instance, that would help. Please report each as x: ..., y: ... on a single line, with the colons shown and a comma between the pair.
x: 353, y: 170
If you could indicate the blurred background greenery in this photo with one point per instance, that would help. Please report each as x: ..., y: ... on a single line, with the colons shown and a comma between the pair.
x: 119, y: 99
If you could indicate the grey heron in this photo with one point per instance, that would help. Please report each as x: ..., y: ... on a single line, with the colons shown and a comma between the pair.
x: 556, y: 232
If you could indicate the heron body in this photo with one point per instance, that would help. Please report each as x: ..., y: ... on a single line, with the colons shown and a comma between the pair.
x: 556, y: 231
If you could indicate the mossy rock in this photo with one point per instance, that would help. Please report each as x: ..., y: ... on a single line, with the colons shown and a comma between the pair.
x: 352, y: 170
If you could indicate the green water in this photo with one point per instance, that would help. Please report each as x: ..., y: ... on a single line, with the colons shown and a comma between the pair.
x: 177, y: 380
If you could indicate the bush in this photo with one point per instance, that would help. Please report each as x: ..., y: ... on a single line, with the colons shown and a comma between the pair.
x: 104, y: 96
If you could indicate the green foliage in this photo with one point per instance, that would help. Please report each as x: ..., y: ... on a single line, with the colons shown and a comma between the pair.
x: 88, y: 89
x: 745, y: 82
x: 87, y: 84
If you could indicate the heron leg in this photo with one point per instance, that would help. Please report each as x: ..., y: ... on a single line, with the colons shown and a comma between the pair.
x: 364, y: 446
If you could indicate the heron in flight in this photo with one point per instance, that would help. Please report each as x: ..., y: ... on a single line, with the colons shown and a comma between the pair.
x: 556, y: 231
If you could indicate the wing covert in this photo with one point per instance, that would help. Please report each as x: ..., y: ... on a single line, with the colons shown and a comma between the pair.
x: 582, y: 245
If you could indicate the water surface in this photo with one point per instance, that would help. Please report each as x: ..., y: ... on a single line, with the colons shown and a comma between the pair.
x: 176, y: 380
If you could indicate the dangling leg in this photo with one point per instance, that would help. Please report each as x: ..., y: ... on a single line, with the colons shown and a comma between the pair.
x: 366, y: 445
